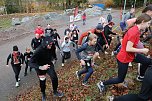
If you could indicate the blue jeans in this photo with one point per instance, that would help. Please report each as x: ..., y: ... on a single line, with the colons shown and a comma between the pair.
x: 123, y: 68
x: 88, y: 72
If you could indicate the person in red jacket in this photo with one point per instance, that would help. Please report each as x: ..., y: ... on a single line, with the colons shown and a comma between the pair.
x: 84, y: 18
x: 39, y: 30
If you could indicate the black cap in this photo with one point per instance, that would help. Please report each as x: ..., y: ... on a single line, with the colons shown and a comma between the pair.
x: 47, y: 41
x: 15, y: 48
x: 99, y: 27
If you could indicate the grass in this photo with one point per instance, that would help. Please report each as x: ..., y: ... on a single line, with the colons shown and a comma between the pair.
x: 5, y: 23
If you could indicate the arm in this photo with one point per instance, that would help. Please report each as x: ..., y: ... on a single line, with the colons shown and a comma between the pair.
x: 130, y: 48
x: 22, y: 59
x: 33, y: 61
x: 79, y: 50
x: 32, y: 44
x: 8, y: 59
x: 81, y: 37
x: 58, y: 36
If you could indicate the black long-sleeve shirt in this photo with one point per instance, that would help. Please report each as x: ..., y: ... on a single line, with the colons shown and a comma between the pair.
x: 42, y: 56
x: 107, y: 31
x: 35, y: 43
x: 27, y: 55
x: 55, y: 36
x: 20, y: 57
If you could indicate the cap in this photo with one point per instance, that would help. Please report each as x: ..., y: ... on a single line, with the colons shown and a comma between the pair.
x: 47, y: 41
x: 15, y: 48
x: 99, y: 27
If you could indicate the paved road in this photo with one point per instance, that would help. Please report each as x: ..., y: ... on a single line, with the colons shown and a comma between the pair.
x: 7, y: 79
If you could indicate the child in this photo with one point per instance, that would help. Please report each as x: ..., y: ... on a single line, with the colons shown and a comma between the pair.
x: 17, y: 60
x: 27, y: 56
x: 88, y: 50
x: 66, y: 49
x: 55, y: 36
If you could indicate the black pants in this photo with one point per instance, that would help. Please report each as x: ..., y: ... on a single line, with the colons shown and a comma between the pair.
x: 51, y: 72
x: 129, y: 97
x: 145, y: 93
x: 123, y: 68
x: 57, y: 44
x: 26, y: 67
x: 66, y: 55
x: 16, y: 69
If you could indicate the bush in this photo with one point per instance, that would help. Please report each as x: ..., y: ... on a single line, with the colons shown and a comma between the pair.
x: 109, y: 3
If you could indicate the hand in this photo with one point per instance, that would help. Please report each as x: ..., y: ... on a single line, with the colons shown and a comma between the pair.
x: 107, y: 46
x: 145, y: 50
x: 44, y: 67
x: 82, y: 62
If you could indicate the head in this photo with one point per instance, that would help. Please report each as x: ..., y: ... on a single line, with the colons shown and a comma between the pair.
x: 37, y: 36
x: 28, y: 50
x: 15, y: 49
x: 55, y: 31
x: 132, y: 10
x: 92, y: 39
x: 48, y: 26
x: 66, y: 39
x: 148, y: 10
x: 143, y: 21
x: 111, y: 24
x: 38, y: 26
x: 99, y: 28
x: 47, y: 42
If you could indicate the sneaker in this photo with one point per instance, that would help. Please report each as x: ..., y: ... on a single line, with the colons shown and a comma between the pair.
x: 140, y: 78
x: 85, y: 84
x: 43, y: 97
x: 17, y: 84
x: 58, y: 94
x: 100, y: 87
x: 130, y: 64
x: 78, y: 77
x: 62, y: 64
x: 106, y: 52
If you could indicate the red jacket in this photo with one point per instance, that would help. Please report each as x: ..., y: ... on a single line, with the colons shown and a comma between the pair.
x: 39, y: 31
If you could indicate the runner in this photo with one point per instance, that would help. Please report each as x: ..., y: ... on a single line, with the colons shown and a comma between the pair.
x: 17, y: 61
x: 55, y: 36
x: 65, y: 49
x: 86, y: 59
x: 42, y: 62
x: 84, y: 17
x: 48, y: 30
x: 39, y: 30
x: 128, y: 15
x: 36, y: 42
x: 128, y: 52
x: 27, y: 56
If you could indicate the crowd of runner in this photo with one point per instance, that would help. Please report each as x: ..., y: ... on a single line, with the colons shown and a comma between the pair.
x: 88, y: 46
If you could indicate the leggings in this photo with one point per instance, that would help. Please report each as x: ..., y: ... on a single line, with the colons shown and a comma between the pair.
x: 123, y: 68
x: 16, y: 69
x: 51, y: 72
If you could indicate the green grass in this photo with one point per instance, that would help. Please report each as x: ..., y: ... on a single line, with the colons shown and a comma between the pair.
x: 5, y: 23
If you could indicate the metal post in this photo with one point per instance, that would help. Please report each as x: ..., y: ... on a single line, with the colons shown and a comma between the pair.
x: 124, y: 9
